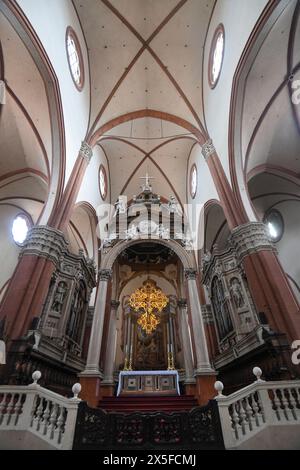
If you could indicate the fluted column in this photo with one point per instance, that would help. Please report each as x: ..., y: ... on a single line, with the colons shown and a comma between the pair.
x: 203, y: 365
x: 186, y: 342
x: 111, y: 343
x: 92, y: 366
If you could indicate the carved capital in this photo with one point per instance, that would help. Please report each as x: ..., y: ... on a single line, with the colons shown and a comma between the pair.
x: 114, y: 304
x: 190, y: 274
x: 251, y: 238
x: 208, y: 149
x: 182, y: 303
x: 105, y: 274
x: 45, y: 242
x: 86, y: 151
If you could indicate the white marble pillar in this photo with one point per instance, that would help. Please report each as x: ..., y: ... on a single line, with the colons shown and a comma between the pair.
x: 203, y: 365
x: 186, y: 342
x: 92, y: 366
x: 111, y: 344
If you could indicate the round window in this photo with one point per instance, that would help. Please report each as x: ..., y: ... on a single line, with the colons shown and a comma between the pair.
x: 216, y: 56
x: 102, y: 182
x: 74, y: 58
x: 20, y: 228
x: 275, y: 225
x: 193, y: 181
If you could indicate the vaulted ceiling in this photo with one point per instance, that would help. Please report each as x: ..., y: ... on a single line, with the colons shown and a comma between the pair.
x: 271, y: 121
x: 146, y: 55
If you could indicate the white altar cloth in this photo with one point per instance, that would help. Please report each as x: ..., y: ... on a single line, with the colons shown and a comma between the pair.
x: 124, y: 373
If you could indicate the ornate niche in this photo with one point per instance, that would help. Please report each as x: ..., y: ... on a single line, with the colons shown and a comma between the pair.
x: 66, y: 308
x: 233, y: 309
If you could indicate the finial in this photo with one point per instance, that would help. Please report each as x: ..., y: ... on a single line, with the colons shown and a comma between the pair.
x: 258, y: 373
x: 219, y: 387
x: 76, y: 389
x: 36, y: 376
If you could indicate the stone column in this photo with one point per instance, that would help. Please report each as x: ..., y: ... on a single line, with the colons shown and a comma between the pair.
x: 201, y: 351
x: 186, y: 344
x: 127, y: 344
x: 90, y: 377
x: 232, y: 212
x: 107, y: 386
x: 267, y: 281
x: 205, y: 374
x: 63, y: 213
x: 30, y: 282
x: 92, y: 365
x: 268, y: 284
x: 28, y: 287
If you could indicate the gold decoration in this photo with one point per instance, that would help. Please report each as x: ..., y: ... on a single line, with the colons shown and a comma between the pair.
x: 171, y: 361
x: 127, y: 364
x: 151, y: 301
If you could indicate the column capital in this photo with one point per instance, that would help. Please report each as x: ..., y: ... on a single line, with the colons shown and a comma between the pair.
x: 86, y: 151
x: 182, y: 303
x: 105, y: 274
x: 250, y: 238
x: 190, y: 273
x: 45, y: 242
x: 208, y: 149
x: 114, y: 304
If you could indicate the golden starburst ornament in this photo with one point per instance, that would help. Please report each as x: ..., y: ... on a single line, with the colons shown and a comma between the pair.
x: 151, y: 301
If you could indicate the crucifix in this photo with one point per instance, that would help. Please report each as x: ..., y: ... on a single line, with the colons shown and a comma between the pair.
x: 147, y: 186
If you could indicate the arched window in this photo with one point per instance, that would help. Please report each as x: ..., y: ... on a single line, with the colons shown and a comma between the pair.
x: 20, y: 227
x: 193, y: 181
x: 102, y: 182
x: 216, y: 56
x: 275, y: 225
x: 219, y: 302
x: 75, y: 58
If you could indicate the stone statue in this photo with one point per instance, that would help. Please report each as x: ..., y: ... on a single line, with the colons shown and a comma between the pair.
x: 132, y: 232
x: 120, y: 207
x: 236, y: 293
x: 207, y: 257
x: 59, y: 297
x: 163, y: 232
x: 173, y: 206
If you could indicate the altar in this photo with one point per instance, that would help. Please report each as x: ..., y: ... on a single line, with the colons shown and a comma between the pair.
x: 147, y: 382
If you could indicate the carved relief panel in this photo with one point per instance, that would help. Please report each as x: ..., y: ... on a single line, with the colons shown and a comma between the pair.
x: 233, y: 308
x: 65, y: 311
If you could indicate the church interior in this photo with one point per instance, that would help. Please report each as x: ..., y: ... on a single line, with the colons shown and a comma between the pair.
x: 149, y: 223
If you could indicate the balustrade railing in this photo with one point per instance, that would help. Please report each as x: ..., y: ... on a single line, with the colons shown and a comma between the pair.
x: 32, y: 408
x: 257, y: 406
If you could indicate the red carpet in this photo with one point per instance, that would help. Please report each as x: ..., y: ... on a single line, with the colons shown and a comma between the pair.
x: 126, y: 404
